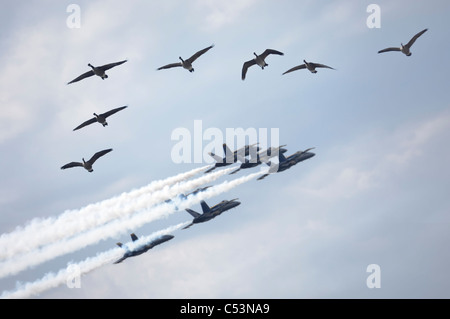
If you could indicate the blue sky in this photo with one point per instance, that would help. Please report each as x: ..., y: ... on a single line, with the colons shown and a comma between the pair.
x: 375, y: 193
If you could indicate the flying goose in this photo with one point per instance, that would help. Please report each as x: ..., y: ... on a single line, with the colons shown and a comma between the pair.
x: 187, y: 64
x: 88, y: 165
x: 98, y: 70
x: 309, y: 66
x: 100, y: 118
x: 405, y: 49
x: 259, y: 60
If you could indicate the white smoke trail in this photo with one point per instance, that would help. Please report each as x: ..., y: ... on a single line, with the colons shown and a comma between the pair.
x: 114, y: 228
x: 40, y: 232
x: 52, y: 280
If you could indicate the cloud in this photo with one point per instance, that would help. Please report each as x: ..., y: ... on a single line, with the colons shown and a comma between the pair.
x: 371, y: 161
x: 222, y: 13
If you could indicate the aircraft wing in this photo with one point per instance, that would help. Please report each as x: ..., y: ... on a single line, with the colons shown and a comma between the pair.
x: 120, y: 260
x: 185, y: 227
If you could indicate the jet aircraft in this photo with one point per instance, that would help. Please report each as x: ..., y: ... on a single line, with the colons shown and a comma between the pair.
x: 230, y: 156
x: 143, y: 248
x: 194, y: 192
x: 261, y: 157
x: 287, y: 162
x: 211, y: 212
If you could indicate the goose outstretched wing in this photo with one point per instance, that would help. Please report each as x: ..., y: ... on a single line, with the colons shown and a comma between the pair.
x: 172, y: 65
x: 111, y: 112
x: 318, y: 65
x: 295, y: 68
x: 246, y: 66
x: 414, y: 38
x: 111, y: 65
x: 97, y: 155
x: 72, y: 164
x: 389, y: 49
x: 270, y: 51
x: 82, y: 76
x: 88, y: 122
x: 199, y: 53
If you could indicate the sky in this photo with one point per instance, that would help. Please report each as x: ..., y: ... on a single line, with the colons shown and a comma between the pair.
x: 375, y: 193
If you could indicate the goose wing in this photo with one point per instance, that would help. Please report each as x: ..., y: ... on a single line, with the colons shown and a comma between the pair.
x: 98, y: 155
x: 318, y: 65
x: 295, y: 68
x: 199, y: 53
x: 111, y: 112
x: 172, y: 65
x: 270, y: 51
x: 414, y: 38
x: 246, y: 66
x: 389, y: 49
x: 111, y: 65
x: 82, y: 76
x: 88, y: 122
x: 72, y: 164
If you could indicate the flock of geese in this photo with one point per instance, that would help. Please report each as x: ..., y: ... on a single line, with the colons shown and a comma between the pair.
x: 259, y: 60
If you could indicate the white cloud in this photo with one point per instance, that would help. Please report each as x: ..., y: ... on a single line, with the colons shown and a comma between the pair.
x: 222, y: 13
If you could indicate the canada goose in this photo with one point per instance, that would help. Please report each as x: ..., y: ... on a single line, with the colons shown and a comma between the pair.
x: 187, y: 64
x: 310, y: 66
x: 88, y: 165
x: 98, y: 70
x: 100, y: 118
x: 259, y: 60
x: 405, y: 49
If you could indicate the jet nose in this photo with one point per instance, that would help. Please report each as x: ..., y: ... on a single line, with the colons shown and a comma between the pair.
x: 235, y: 202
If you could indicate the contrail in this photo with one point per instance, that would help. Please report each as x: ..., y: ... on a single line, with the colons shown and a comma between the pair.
x: 114, y: 228
x: 40, y: 232
x: 52, y: 280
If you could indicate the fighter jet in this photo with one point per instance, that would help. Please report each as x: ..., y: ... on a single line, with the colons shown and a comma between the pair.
x: 211, y: 212
x: 230, y: 156
x: 184, y: 196
x: 261, y: 157
x: 143, y: 248
x: 287, y: 162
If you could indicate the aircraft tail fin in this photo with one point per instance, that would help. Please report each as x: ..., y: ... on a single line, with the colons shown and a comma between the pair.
x: 281, y: 157
x: 205, y: 207
x: 119, y: 244
x: 228, y: 152
x: 193, y: 213
x: 133, y: 237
